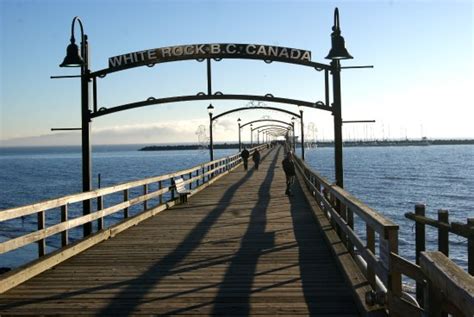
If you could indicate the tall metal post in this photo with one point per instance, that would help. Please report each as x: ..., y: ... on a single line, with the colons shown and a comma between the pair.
x: 294, y: 136
x: 338, y: 51
x: 240, y: 140
x: 258, y: 137
x: 302, y: 135
x: 85, y: 128
x: 251, y: 136
x: 211, y: 143
x: 336, y: 84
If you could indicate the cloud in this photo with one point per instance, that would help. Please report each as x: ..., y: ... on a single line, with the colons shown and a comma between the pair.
x: 166, y: 132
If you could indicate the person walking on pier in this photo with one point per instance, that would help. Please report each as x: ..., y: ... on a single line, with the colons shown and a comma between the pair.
x: 245, y: 158
x: 290, y: 173
x: 256, y: 158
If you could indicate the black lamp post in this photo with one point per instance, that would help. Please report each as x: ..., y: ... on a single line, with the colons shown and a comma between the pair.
x: 210, y: 109
x: 338, y: 51
x: 302, y: 132
x: 293, y: 119
x: 240, y: 142
x: 73, y: 59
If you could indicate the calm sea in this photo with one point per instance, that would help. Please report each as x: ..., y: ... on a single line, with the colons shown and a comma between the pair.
x: 389, y: 179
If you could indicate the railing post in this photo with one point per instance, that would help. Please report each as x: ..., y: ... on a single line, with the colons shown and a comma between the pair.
x: 41, y: 226
x: 394, y: 278
x: 160, y: 197
x: 371, y: 246
x: 350, y: 223
x: 145, y: 192
x: 65, y: 233
x: 172, y: 191
x: 190, y: 175
x: 100, y: 206
x: 125, y: 198
x: 443, y: 234
x: 470, y: 249
x: 420, y: 247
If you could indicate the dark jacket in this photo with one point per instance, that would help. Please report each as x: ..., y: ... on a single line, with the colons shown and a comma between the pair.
x: 256, y: 156
x: 245, y: 154
x: 288, y: 166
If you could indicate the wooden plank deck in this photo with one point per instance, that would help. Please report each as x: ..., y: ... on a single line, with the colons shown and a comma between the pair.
x: 240, y: 247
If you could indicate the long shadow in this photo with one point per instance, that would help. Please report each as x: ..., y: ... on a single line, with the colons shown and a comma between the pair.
x: 324, y: 287
x: 244, y: 264
x: 124, y: 304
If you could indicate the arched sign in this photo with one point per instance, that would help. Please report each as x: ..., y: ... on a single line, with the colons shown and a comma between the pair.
x: 203, y: 51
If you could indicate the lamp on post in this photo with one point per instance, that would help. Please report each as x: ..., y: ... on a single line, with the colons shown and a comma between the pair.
x: 74, y: 59
x: 251, y: 136
x: 210, y: 109
x: 338, y: 51
x: 240, y: 142
x: 300, y: 108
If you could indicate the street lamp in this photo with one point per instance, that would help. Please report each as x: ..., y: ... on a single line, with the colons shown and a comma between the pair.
x: 293, y: 120
x: 240, y: 142
x: 300, y: 108
x: 74, y: 59
x: 338, y: 51
x: 210, y: 109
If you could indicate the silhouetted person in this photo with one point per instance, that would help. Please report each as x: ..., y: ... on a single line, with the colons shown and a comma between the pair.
x: 290, y: 173
x: 256, y: 158
x: 245, y: 158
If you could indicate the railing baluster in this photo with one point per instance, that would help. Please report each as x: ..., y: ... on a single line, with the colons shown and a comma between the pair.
x: 350, y: 223
x: 420, y: 247
x: 41, y: 226
x: 65, y: 233
x: 100, y: 206
x: 443, y: 233
x: 125, y: 198
x: 145, y: 191
x: 172, y: 191
x: 160, y: 186
x: 394, y: 278
x: 190, y: 175
x: 371, y: 247
x: 470, y: 249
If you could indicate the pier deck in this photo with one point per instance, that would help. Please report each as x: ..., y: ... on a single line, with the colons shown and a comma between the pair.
x: 240, y: 247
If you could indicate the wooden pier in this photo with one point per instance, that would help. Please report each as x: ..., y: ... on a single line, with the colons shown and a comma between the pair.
x: 238, y: 247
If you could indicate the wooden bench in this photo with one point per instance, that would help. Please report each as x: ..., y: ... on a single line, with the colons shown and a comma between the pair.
x: 178, y: 186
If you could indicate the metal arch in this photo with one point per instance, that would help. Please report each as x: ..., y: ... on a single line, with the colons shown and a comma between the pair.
x: 270, y: 125
x: 315, y: 65
x: 275, y: 129
x: 254, y: 108
x: 201, y: 97
x: 261, y: 120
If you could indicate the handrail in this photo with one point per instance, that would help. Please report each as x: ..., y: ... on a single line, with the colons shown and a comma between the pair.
x: 450, y: 287
x: 341, y: 207
x: 203, y: 174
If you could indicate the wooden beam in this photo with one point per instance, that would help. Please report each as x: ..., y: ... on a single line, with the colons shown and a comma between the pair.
x: 456, y: 285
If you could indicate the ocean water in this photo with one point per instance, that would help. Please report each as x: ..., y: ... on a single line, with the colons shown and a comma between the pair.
x: 389, y: 179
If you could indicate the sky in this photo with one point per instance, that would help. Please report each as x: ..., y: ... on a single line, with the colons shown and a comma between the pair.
x: 421, y: 84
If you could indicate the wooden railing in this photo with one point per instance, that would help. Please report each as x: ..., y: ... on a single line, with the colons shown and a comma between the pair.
x: 341, y: 208
x: 448, y: 289
x: 156, y: 194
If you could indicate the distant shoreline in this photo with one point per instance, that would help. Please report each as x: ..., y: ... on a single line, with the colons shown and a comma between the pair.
x: 425, y: 142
